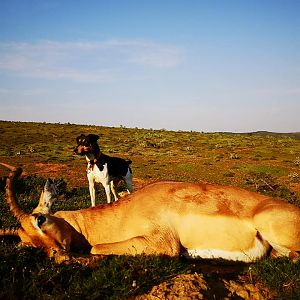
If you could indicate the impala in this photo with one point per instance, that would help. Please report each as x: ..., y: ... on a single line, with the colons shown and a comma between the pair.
x: 164, y: 218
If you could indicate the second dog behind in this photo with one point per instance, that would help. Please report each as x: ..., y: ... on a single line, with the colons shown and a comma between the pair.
x: 102, y: 168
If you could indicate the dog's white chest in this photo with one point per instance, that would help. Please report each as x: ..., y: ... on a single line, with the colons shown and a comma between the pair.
x: 97, y: 175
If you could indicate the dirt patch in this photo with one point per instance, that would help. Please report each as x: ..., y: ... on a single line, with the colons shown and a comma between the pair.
x: 185, y: 286
x: 200, y: 286
x: 48, y: 169
x: 211, y: 280
x: 247, y: 290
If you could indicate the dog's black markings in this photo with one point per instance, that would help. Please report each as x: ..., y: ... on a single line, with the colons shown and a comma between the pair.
x: 116, y: 166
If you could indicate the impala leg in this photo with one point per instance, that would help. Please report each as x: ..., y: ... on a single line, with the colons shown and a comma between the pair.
x: 133, y: 246
x: 280, y: 227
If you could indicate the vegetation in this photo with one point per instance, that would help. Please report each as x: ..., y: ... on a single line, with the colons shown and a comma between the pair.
x: 263, y: 162
x: 280, y: 275
x: 27, y: 274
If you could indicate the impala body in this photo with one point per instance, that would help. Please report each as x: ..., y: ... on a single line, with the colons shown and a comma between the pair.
x: 167, y: 218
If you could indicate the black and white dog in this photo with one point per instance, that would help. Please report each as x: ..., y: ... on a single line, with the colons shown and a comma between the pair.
x: 102, y: 168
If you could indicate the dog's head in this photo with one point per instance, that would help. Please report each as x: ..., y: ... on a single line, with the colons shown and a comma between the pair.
x: 87, y: 144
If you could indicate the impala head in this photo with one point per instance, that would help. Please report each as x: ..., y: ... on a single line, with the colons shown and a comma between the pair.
x: 40, y: 228
x: 87, y: 144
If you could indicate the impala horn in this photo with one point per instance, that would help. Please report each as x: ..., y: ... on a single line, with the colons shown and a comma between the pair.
x: 10, y: 194
x: 9, y: 232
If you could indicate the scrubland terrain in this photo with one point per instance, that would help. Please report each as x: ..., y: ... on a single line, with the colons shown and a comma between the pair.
x: 263, y: 162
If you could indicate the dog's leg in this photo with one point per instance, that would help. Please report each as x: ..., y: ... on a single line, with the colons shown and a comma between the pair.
x: 107, y: 191
x: 128, y: 180
x: 92, y: 190
x: 113, y: 185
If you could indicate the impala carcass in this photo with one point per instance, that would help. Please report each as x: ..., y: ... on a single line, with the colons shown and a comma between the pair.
x: 165, y: 218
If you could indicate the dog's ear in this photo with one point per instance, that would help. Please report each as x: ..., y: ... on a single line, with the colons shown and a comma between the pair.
x: 93, y: 137
x: 80, y: 138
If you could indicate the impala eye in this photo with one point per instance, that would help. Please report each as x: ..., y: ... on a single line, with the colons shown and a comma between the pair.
x: 41, y: 220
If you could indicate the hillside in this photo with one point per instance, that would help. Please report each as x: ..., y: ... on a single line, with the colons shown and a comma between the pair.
x: 224, y: 158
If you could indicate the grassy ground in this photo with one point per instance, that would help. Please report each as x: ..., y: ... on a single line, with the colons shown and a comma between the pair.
x: 263, y: 162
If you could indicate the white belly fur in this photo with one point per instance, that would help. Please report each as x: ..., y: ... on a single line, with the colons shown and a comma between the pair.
x: 99, y: 176
x: 249, y: 255
x: 225, y: 237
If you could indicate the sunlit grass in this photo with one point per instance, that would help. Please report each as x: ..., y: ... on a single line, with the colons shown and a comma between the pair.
x: 265, y: 163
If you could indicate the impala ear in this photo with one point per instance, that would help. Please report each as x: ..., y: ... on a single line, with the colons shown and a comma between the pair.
x: 48, y: 195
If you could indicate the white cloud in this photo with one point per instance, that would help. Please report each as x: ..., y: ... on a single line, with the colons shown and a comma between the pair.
x: 148, y: 53
x: 4, y: 91
x: 85, y: 61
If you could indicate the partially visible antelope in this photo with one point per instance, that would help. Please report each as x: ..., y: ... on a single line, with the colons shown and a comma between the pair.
x: 165, y: 218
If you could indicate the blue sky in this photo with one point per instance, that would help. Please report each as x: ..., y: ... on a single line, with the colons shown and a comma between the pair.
x: 181, y: 65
